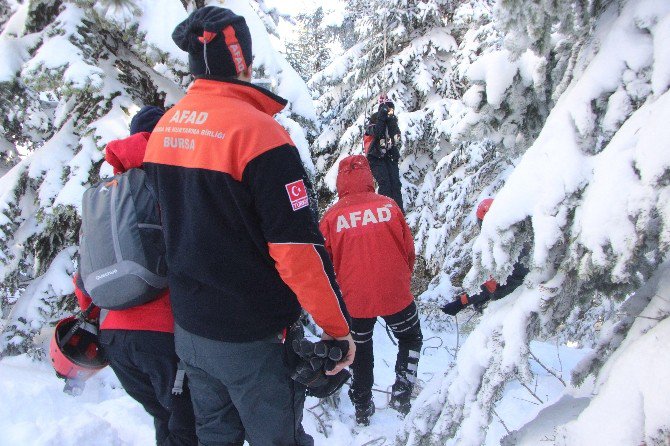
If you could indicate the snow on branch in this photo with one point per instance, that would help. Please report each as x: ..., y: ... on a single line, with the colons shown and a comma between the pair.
x: 593, y: 195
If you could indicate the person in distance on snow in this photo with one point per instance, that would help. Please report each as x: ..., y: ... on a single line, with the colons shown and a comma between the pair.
x: 383, y: 150
x: 490, y: 290
x: 139, y: 341
x: 373, y: 252
x: 244, y: 251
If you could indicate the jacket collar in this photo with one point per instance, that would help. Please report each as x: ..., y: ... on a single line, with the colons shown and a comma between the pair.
x: 260, y: 98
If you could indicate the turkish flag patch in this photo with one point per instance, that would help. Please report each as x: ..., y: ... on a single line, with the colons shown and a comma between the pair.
x: 297, y: 193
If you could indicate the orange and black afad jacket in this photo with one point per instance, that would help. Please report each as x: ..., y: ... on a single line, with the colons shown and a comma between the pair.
x: 243, y: 243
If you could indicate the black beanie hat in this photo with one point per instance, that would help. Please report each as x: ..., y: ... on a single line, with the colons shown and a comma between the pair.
x: 146, y: 119
x: 217, y: 40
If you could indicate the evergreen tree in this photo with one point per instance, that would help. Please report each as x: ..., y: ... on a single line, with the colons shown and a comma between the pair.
x: 570, y: 195
x: 401, y: 50
x: 467, y: 108
x: 5, y: 10
x: 307, y: 50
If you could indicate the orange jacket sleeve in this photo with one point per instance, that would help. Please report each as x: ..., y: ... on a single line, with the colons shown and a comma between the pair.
x: 305, y: 269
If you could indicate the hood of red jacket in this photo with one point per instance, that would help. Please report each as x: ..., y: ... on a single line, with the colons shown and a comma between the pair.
x: 128, y: 153
x: 354, y: 176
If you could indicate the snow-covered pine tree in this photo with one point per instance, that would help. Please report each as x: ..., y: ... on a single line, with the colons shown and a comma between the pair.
x: 73, y: 73
x: 5, y: 10
x: 495, y: 106
x: 306, y: 49
x: 592, y: 194
x: 398, y: 48
x: 468, y: 108
x: 77, y: 77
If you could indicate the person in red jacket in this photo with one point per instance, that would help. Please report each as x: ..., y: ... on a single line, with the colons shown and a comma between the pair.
x: 373, y: 253
x: 139, y: 341
x: 491, y: 289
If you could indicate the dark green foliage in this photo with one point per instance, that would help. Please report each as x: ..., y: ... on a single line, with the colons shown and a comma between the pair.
x: 140, y: 84
x: 531, y: 24
x: 61, y: 230
x: 42, y: 13
x: 5, y: 12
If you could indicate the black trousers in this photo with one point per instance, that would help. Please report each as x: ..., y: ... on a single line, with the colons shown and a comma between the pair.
x: 146, y: 364
x: 243, y: 390
x: 406, y: 329
x: 387, y: 175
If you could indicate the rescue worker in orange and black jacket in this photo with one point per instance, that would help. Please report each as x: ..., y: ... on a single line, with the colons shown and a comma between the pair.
x: 244, y: 250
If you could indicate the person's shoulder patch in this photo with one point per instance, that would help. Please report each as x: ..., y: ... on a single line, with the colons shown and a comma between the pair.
x: 297, y: 193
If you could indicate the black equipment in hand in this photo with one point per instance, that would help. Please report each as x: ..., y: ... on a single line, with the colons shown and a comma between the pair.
x: 318, y: 358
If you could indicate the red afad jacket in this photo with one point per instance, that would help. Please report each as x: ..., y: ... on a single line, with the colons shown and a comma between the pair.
x: 370, y: 243
x: 156, y: 315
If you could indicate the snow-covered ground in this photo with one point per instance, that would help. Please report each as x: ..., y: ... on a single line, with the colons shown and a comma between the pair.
x: 35, y: 412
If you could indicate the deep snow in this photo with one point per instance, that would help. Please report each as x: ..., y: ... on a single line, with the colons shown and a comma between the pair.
x: 35, y: 411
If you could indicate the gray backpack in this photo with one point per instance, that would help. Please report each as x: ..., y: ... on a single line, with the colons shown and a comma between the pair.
x: 121, y: 246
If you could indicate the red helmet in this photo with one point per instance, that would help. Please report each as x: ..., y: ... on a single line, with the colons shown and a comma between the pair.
x: 483, y: 207
x: 80, y: 356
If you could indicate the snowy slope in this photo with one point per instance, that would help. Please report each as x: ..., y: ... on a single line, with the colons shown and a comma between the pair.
x: 35, y: 412
x: 628, y: 400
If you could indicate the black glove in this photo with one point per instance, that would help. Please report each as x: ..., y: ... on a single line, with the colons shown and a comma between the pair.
x: 309, y: 377
x: 393, y: 154
x: 452, y: 308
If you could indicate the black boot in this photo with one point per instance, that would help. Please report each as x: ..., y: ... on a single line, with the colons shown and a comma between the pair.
x: 401, y: 391
x: 364, y: 407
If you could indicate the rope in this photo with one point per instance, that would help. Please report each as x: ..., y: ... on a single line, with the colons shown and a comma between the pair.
x: 204, y: 51
x: 367, y: 95
x: 458, y: 336
x: 385, y: 33
x: 376, y: 441
x: 423, y: 352
x: 367, y: 75
x: 388, y: 332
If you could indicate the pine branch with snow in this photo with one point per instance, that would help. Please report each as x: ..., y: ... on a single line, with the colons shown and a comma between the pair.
x: 76, y: 72
x: 591, y: 194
